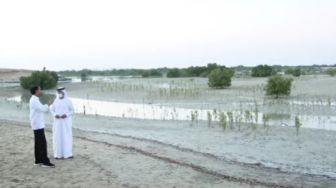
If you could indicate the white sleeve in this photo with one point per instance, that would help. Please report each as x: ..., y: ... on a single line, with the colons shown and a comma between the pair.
x: 71, y: 108
x: 52, y: 110
x: 39, y: 107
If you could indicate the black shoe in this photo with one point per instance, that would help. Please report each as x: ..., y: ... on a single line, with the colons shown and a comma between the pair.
x: 48, y: 165
x: 38, y: 164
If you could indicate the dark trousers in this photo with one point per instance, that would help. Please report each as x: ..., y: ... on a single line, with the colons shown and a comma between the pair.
x: 41, y: 155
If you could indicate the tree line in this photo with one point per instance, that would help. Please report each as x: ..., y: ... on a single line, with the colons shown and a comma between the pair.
x: 203, y: 71
x: 219, y: 76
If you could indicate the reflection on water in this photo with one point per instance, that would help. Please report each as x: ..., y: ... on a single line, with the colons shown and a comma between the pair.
x: 159, y: 112
x: 75, y: 79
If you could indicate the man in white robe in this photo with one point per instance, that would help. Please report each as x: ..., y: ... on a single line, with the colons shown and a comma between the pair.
x: 62, y: 110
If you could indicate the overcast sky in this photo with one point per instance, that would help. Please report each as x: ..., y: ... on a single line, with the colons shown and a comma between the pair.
x: 105, y: 34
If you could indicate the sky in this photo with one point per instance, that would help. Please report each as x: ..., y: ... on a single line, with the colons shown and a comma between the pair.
x: 107, y: 34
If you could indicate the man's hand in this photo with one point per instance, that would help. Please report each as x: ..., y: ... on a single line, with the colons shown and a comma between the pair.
x: 64, y: 116
x: 50, y: 102
x: 57, y: 116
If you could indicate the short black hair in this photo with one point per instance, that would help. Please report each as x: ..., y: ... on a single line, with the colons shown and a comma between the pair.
x: 34, y: 89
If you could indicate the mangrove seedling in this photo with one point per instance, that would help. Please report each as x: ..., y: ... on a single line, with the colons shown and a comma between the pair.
x: 223, y: 120
x: 298, y: 124
x: 231, y: 121
x: 256, y: 111
x: 266, y: 119
x: 215, y: 115
x: 254, y: 129
x: 209, y: 118
x: 247, y: 116
x: 193, y: 118
x: 238, y: 121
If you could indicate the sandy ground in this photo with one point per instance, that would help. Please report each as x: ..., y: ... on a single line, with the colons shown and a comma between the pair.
x: 152, y: 147
x: 12, y: 75
x: 312, y: 152
x: 96, y: 164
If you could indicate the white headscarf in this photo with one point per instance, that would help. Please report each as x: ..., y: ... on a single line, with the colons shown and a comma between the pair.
x: 65, y: 97
x: 59, y: 104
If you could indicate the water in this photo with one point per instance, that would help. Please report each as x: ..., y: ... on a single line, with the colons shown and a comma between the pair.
x: 160, y: 112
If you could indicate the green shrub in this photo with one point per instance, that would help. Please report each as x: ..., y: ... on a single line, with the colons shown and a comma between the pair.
x: 263, y: 71
x: 44, y: 79
x: 174, y: 73
x: 331, y: 72
x: 220, y: 78
x: 294, y: 71
x: 278, y: 85
x: 151, y: 73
